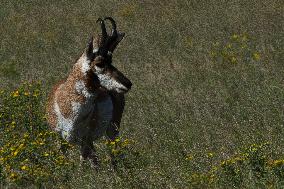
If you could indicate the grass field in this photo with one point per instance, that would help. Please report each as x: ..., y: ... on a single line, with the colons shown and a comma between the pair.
x: 208, y: 86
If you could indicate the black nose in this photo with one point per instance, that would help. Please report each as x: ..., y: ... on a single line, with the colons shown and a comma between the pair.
x: 128, y: 84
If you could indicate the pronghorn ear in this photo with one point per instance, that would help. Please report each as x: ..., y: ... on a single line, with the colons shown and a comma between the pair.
x: 89, y: 50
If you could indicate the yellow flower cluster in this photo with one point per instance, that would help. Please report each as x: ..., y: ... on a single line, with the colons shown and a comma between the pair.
x: 117, y: 146
x: 250, y: 158
x: 29, y: 151
x: 237, y: 49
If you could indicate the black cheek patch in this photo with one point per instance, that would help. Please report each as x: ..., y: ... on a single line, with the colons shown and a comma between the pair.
x: 92, y: 82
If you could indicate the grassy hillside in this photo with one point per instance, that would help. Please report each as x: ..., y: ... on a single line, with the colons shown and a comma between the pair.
x: 208, y: 82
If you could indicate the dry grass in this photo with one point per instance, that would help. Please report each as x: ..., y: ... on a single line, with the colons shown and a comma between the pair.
x: 183, y: 101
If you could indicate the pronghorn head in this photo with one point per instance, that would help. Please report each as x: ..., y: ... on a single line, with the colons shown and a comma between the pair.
x: 99, y: 52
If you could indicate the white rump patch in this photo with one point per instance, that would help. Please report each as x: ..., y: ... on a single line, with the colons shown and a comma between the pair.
x: 64, y: 126
x: 84, y: 62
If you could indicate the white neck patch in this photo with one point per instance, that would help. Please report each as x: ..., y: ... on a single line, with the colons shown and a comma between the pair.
x: 84, y: 63
x: 109, y: 83
x: 95, y: 50
x: 82, y: 89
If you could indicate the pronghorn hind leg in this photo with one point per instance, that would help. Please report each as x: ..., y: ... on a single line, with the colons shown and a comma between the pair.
x: 64, y: 150
x: 94, y: 159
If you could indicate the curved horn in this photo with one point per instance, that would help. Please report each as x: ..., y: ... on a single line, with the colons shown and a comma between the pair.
x: 104, y: 39
x: 114, y: 31
x: 103, y: 27
x: 89, y: 50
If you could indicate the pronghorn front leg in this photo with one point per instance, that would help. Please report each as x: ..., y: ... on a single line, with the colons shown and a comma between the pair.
x: 112, y: 132
x: 118, y: 102
x: 88, y: 151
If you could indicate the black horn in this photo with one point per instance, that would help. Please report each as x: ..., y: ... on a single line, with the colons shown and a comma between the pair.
x: 109, y: 42
x: 114, y: 31
x: 90, y: 47
x: 103, y: 27
x: 104, y: 40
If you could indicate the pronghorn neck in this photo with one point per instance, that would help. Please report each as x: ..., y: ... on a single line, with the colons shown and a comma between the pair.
x: 82, y: 79
x: 84, y: 63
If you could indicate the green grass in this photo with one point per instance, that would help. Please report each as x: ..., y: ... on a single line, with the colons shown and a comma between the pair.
x: 184, y: 101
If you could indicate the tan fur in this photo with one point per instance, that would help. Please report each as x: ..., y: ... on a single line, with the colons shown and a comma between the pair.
x: 51, y: 117
x: 84, y: 106
x: 64, y: 92
x: 67, y: 94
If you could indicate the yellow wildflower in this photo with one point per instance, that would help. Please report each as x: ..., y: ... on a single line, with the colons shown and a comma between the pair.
x: 234, y: 36
x: 15, y: 153
x: 114, y: 152
x: 125, y: 143
x: 24, y: 167
x: 223, y: 163
x: 189, y: 157
x: 254, y: 149
x: 278, y: 162
x: 117, y: 140
x: 46, y: 154
x: 229, y: 46
x: 21, y: 146
x: 16, y: 94
x: 13, y: 175
x: 27, y: 93
x: 233, y: 59
x: 36, y: 93
x: 8, y: 167
x: 256, y: 56
x: 210, y: 154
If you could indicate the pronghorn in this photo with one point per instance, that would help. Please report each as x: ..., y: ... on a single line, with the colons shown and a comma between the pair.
x: 90, y: 102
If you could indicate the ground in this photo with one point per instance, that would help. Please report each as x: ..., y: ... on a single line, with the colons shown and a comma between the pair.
x: 198, y: 96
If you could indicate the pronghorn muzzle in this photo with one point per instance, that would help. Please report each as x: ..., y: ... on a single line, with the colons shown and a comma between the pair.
x: 125, y: 82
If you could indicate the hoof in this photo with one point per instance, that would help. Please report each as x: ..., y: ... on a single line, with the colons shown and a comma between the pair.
x: 94, y: 161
